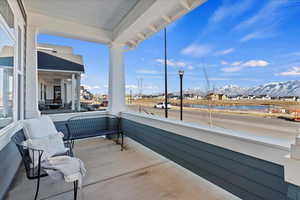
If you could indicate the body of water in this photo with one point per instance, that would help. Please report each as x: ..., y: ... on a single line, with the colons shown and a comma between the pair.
x: 237, y: 107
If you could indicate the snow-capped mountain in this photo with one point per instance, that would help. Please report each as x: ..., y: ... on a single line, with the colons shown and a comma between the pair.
x: 289, y: 88
x: 274, y: 89
x: 231, y: 90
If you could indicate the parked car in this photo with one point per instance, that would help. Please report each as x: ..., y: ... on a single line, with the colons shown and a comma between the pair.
x: 162, y: 105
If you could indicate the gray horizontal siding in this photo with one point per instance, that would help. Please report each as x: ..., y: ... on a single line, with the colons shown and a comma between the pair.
x: 245, y: 176
x: 293, y: 192
x: 10, y: 160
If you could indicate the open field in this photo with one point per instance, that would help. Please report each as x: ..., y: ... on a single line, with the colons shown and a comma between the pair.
x: 278, y: 104
x: 283, y: 104
x: 277, y: 129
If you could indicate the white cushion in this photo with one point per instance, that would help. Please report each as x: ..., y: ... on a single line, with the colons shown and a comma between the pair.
x: 39, y: 127
x: 51, y: 145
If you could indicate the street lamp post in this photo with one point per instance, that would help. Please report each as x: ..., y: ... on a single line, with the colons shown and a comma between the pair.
x: 181, y: 72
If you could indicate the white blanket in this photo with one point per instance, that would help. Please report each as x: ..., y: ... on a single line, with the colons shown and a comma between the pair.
x: 69, y: 168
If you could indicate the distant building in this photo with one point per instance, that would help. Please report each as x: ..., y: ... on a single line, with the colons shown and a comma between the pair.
x: 263, y: 97
x: 85, y: 94
x: 216, y: 97
x: 289, y: 98
x: 236, y: 97
x: 251, y: 97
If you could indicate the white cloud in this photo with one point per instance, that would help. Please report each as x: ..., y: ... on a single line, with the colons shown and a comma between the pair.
x: 250, y: 36
x: 238, y: 65
x: 265, y: 16
x: 265, y: 33
x: 225, y: 52
x: 256, y: 63
x: 145, y: 71
x: 171, y: 62
x: 197, y: 50
x: 265, y: 22
x: 295, y: 71
x: 96, y: 87
x: 230, y: 9
x: 232, y: 69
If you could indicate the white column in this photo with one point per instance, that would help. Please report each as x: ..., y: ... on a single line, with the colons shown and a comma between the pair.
x: 62, y: 90
x: 116, y: 87
x: 31, y: 107
x: 78, y: 80
x: 73, y: 92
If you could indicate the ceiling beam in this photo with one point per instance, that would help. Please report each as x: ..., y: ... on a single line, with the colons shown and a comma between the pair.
x: 70, y: 29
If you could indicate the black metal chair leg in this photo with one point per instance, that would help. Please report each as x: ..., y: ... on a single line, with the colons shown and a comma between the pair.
x: 37, y: 189
x: 75, y: 189
x: 122, y: 143
x: 38, y: 180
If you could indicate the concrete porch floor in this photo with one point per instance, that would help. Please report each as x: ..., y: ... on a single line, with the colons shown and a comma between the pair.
x: 134, y: 174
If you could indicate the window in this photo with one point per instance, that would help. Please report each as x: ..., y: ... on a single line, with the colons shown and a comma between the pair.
x: 6, y: 78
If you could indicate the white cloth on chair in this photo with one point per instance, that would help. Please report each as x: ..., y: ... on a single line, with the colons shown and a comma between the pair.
x: 65, y: 167
x: 50, y: 145
x: 39, y: 127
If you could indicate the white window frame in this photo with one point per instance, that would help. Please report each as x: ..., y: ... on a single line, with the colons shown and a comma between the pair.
x: 18, y: 23
x: 13, y: 35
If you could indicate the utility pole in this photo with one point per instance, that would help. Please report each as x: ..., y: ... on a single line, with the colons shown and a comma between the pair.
x: 166, y: 75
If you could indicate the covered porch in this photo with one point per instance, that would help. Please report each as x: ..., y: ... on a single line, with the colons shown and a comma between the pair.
x: 134, y: 174
x: 58, y: 91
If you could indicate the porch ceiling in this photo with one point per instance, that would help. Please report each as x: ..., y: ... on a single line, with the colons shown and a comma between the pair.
x: 104, y: 14
x: 123, y: 21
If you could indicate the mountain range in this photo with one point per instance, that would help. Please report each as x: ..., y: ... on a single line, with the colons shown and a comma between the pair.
x: 273, y: 89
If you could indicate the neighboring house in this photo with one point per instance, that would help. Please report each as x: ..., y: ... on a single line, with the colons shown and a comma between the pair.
x: 216, y: 97
x: 263, y: 97
x: 288, y: 98
x: 59, y: 76
x: 236, y: 97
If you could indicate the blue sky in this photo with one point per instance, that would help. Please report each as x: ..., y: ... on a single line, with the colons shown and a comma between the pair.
x: 245, y: 43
